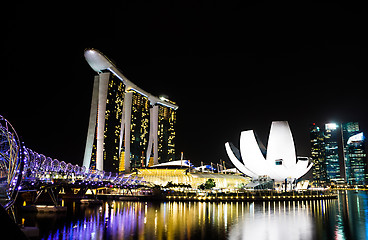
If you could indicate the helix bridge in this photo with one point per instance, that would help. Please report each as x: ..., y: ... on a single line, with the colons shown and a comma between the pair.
x: 22, y: 170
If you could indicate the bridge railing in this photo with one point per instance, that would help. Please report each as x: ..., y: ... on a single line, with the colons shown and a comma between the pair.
x: 24, y: 169
x: 38, y: 167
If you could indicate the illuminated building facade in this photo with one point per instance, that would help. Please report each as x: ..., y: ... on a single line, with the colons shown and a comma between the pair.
x: 354, y: 154
x: 318, y: 155
x: 105, y: 119
x: 166, y: 134
x: 332, y: 136
x: 128, y: 127
x: 279, y: 162
x: 139, y: 130
x: 325, y: 152
x: 183, y: 172
x: 194, y: 179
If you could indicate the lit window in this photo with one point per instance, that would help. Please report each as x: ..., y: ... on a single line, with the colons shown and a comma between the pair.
x: 278, y: 162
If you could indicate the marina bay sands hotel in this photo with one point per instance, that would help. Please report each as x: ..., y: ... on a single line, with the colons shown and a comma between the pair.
x: 128, y: 127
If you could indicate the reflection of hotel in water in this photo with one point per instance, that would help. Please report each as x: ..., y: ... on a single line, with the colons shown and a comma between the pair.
x: 128, y: 127
x: 210, y: 220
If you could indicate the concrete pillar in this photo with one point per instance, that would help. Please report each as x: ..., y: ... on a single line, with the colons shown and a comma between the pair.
x: 92, y: 124
x: 102, y: 97
x: 153, y: 136
x: 127, y: 123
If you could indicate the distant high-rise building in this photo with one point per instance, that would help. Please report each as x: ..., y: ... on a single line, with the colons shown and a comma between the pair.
x: 331, y: 135
x: 325, y: 153
x: 128, y: 127
x: 325, y: 149
x: 318, y: 154
x: 354, y: 154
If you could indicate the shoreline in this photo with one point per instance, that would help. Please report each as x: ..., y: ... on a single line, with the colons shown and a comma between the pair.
x: 230, y: 198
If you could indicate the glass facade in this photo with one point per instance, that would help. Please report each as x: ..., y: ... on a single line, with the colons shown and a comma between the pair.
x: 318, y: 155
x: 126, y: 123
x: 331, y: 136
x: 166, y: 134
x: 139, y: 130
x: 354, y: 154
x: 326, y: 145
x: 113, y: 114
x: 325, y: 153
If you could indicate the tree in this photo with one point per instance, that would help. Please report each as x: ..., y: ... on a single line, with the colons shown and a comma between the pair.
x: 172, y: 185
x: 209, y: 184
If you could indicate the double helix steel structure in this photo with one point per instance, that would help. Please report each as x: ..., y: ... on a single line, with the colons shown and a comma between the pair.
x: 22, y: 169
x: 11, y: 163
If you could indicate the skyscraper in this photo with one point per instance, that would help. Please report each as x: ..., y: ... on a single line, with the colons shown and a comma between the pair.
x: 166, y: 134
x: 139, y: 130
x: 325, y: 153
x: 354, y: 154
x: 331, y: 136
x: 318, y: 154
x: 128, y: 126
x: 326, y: 146
x: 104, y: 122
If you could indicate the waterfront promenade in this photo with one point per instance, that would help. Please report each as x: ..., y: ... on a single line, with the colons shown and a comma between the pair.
x: 214, y: 196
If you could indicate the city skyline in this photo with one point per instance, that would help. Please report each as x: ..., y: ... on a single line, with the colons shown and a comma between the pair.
x: 339, y: 153
x: 227, y: 66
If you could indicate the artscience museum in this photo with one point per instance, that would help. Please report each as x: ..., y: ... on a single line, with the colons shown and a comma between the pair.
x: 278, y: 161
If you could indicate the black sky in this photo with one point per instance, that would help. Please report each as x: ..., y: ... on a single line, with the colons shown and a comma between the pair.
x: 229, y: 66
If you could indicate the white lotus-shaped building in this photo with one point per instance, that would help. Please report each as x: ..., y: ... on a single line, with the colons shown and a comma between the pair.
x: 279, y: 161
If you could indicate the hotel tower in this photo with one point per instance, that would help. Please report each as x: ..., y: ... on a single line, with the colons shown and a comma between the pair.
x: 128, y: 127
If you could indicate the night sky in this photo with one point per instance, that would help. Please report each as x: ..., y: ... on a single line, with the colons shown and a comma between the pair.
x: 229, y: 66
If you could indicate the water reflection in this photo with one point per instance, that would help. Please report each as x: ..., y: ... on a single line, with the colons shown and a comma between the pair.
x: 275, y: 220
x: 342, y: 218
x: 144, y: 220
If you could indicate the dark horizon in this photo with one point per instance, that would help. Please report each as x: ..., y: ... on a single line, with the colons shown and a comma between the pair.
x: 229, y: 66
